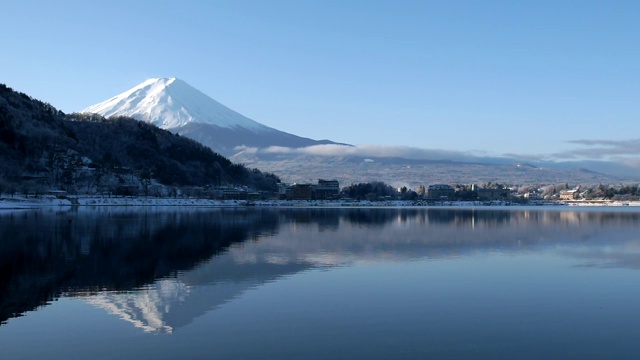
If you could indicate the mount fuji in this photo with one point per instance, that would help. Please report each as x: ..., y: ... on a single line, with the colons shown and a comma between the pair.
x: 174, y: 105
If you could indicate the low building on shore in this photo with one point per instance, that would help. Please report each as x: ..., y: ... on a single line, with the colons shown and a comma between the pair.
x: 440, y: 192
x: 326, y: 190
x: 299, y: 192
x: 494, y: 194
x: 569, y: 194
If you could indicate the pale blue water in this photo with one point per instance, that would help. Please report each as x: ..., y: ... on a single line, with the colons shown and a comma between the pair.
x: 320, y: 284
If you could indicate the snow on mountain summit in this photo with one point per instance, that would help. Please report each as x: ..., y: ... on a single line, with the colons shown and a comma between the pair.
x: 174, y: 105
x: 171, y: 103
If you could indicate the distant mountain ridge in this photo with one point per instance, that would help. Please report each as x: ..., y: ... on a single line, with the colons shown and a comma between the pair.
x: 301, y: 168
x: 174, y: 105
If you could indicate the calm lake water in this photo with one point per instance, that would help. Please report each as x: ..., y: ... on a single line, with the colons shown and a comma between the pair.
x: 457, y: 283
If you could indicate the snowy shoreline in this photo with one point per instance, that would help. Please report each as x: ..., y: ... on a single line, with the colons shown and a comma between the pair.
x: 21, y: 203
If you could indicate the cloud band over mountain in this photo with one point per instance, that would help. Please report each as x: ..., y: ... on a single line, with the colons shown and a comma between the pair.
x: 375, y: 151
x: 602, y: 149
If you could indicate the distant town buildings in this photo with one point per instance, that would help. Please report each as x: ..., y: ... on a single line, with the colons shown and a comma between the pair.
x: 440, y: 191
x: 330, y: 190
x: 324, y: 190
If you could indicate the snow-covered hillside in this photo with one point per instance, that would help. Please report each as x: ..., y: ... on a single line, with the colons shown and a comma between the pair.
x: 174, y: 105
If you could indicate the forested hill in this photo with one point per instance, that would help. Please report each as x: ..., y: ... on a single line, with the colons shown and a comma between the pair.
x: 44, y: 146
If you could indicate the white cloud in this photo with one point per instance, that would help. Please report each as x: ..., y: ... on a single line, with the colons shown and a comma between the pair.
x: 245, y: 149
x: 372, y: 151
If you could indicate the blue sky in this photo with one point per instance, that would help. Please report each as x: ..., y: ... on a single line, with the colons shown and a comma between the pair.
x: 560, y: 78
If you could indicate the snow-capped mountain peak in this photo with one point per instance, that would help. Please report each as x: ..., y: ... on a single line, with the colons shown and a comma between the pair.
x: 174, y: 105
x: 171, y: 103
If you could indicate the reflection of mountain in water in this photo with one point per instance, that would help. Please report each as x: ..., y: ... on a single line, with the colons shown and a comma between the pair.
x: 169, y: 304
x: 161, y: 269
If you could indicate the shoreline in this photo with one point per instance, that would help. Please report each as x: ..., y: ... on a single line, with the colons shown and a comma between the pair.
x: 21, y: 203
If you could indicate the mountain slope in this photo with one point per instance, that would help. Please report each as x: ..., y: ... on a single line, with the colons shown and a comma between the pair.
x: 174, y: 105
x: 170, y: 158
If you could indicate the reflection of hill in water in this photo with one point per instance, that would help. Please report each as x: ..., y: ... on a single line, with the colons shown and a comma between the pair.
x: 42, y: 255
x: 162, y: 269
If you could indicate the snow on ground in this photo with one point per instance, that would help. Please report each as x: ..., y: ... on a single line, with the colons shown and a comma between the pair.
x: 604, y: 203
x: 19, y: 202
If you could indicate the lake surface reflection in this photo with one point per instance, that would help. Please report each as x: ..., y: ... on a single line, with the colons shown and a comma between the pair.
x: 320, y: 283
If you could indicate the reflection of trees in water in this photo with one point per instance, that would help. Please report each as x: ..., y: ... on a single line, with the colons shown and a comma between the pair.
x: 42, y: 256
x: 330, y: 218
x: 370, y: 217
x: 488, y: 217
x: 325, y: 218
x: 608, y: 236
